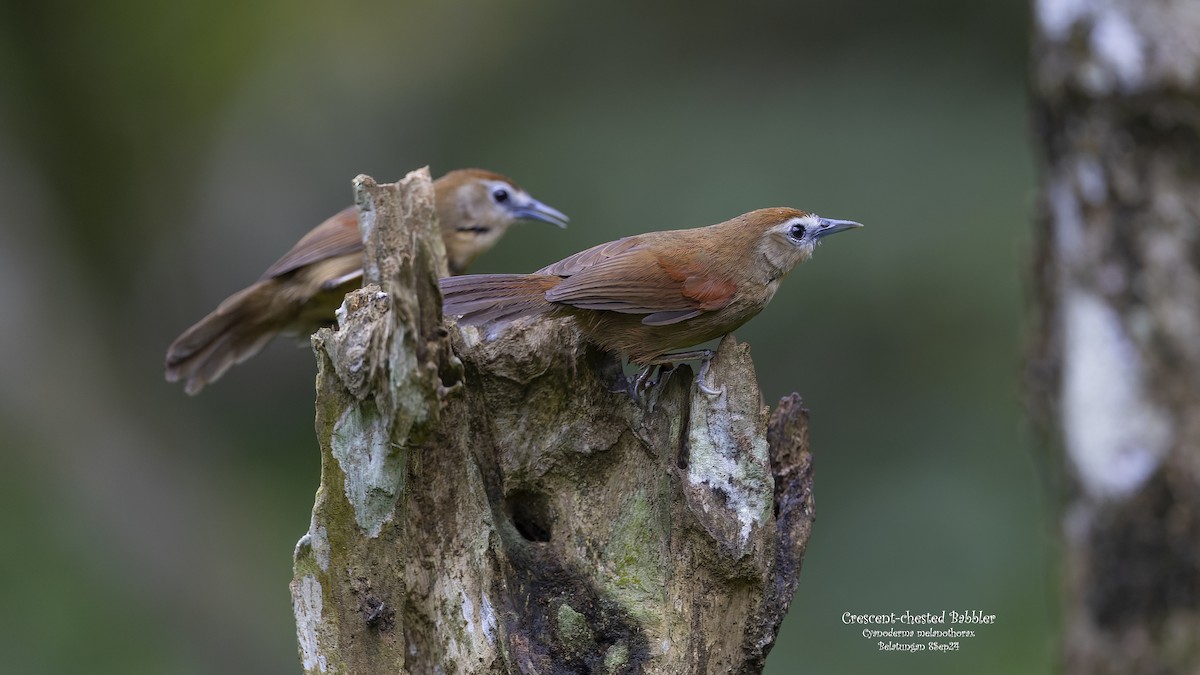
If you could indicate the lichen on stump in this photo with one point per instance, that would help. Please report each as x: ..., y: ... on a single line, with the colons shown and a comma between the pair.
x: 499, y: 503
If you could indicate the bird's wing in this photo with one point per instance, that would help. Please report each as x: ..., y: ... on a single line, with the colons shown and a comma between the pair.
x: 569, y: 267
x: 668, y: 288
x: 336, y: 236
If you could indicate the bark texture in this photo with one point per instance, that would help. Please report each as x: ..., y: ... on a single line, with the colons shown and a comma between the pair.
x: 1115, y: 367
x: 498, y: 503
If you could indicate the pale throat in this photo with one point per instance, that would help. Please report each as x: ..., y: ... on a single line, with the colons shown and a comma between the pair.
x: 479, y: 237
x: 781, y: 259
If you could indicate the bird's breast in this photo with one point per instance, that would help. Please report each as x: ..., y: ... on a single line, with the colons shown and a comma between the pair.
x: 772, y: 286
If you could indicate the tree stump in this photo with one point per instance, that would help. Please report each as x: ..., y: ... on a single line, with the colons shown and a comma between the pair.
x: 500, y: 504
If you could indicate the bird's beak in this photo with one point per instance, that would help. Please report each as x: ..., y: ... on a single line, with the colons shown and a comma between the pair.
x: 828, y: 226
x: 535, y: 210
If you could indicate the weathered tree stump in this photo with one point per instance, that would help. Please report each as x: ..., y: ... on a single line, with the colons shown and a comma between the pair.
x: 499, y: 503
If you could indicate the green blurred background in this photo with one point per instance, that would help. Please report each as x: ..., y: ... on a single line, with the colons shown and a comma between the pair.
x: 155, y: 157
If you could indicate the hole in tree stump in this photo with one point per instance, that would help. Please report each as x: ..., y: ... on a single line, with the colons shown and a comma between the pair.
x: 530, y: 513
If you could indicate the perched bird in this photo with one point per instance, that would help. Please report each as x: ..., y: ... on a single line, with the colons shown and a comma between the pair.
x: 652, y: 293
x: 300, y: 292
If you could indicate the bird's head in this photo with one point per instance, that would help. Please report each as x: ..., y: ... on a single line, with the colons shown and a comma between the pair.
x: 789, y: 236
x: 475, y: 208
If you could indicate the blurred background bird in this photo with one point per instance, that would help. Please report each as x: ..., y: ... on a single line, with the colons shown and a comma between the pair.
x: 300, y: 292
x: 649, y: 294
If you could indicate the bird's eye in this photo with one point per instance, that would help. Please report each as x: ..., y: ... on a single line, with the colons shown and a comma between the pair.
x: 797, y: 232
x: 500, y: 195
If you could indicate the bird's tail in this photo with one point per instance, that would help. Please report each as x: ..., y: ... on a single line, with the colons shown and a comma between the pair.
x: 483, y: 299
x: 236, y: 330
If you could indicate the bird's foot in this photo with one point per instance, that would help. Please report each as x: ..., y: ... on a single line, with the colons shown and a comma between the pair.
x: 705, y: 356
x: 707, y: 390
x: 645, y: 381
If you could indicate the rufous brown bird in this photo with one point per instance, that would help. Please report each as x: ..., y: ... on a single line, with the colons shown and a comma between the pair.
x: 652, y: 293
x: 300, y: 292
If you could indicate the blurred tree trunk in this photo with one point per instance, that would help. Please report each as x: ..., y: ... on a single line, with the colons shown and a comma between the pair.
x: 503, y: 505
x: 1115, y: 367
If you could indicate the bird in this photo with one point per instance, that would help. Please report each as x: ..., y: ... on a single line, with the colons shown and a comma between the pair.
x: 649, y: 294
x: 302, y: 290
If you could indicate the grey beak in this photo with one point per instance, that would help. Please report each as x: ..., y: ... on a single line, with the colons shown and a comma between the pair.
x: 829, y: 226
x: 535, y: 210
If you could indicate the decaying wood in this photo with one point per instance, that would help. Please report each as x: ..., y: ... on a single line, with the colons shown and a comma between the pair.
x: 499, y: 503
x: 1115, y: 365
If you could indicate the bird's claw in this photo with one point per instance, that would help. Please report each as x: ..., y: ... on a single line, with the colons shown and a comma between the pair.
x: 642, y: 383
x: 709, y: 390
x: 646, y: 379
x: 704, y: 388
